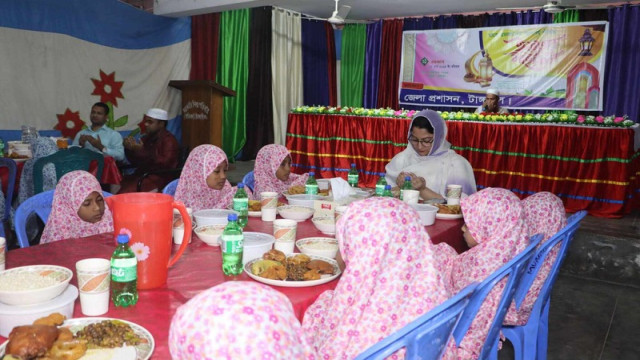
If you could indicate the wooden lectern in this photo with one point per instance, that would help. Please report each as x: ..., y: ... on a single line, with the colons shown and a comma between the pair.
x: 201, y: 111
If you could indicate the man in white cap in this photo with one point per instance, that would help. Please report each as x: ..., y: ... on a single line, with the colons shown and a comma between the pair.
x: 157, y: 150
x: 491, y: 103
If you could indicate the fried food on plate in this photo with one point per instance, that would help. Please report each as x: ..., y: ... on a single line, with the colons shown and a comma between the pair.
x: 296, y: 189
x: 321, y: 266
x: 311, y: 275
x: 261, y: 266
x: 255, y: 205
x: 31, y: 341
x: 297, y: 266
x: 68, y: 350
x: 275, y: 272
x: 275, y: 255
x: 449, y: 209
x: 54, y: 319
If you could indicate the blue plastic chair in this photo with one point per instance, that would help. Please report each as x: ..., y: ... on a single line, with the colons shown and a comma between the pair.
x: 11, y: 166
x: 171, y: 187
x: 512, y: 270
x: 530, y: 340
x: 249, y: 181
x: 426, y: 337
x: 41, y: 205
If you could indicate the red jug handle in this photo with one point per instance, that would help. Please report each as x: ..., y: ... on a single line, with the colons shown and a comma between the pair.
x: 187, y: 231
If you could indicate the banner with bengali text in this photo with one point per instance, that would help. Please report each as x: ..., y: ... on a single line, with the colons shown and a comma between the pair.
x: 553, y: 66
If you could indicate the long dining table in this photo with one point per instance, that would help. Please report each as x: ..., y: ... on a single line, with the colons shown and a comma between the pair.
x: 199, y: 268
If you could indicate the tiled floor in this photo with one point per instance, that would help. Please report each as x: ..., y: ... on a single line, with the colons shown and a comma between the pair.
x: 588, y: 319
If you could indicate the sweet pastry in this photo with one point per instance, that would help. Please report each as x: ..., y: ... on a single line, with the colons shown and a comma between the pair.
x: 321, y: 266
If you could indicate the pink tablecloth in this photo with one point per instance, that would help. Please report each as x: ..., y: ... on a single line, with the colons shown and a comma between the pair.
x: 199, y: 268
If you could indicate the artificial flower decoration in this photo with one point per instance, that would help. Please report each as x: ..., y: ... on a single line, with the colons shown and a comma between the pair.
x: 108, y: 88
x: 69, y: 123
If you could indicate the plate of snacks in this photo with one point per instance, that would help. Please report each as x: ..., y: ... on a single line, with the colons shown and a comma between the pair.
x: 82, y: 338
x: 300, y: 189
x: 292, y: 270
x: 255, y: 208
x: 448, y: 212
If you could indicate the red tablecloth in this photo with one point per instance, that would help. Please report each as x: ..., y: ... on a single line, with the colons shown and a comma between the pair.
x: 199, y: 268
x: 590, y: 168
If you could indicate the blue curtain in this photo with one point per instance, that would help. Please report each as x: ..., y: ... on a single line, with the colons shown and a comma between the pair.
x: 622, y: 75
x: 423, y: 23
x: 315, y: 68
x: 372, y: 64
x: 518, y: 18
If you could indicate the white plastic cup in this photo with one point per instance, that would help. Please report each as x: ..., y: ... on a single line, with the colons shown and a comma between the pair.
x: 269, y: 202
x: 178, y: 235
x: 454, y: 192
x: 284, y: 230
x: 3, y: 249
x: 94, y: 277
x: 410, y: 196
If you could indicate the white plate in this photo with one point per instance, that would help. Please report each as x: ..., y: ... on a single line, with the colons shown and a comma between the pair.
x: 143, y: 351
x: 285, y: 283
x: 448, y: 216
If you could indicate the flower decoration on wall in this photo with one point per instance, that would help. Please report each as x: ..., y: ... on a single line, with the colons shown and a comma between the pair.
x: 108, y: 88
x: 69, y: 123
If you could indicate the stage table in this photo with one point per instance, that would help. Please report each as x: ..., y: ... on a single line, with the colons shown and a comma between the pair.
x: 591, y: 168
x: 199, y: 268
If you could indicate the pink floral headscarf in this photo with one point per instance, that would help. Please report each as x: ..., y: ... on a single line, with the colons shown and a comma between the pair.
x: 267, y: 163
x: 238, y: 320
x: 192, y: 188
x: 388, y: 282
x: 64, y: 222
x: 495, y: 219
x: 544, y: 213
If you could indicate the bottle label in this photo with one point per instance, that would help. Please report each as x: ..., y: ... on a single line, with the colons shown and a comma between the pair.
x: 124, y: 270
x: 241, y: 204
x: 380, y: 190
x: 232, y: 244
x: 352, y: 179
x: 311, y: 189
x: 401, y: 194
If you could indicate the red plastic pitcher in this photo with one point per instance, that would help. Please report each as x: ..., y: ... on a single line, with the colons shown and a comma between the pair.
x: 148, y: 219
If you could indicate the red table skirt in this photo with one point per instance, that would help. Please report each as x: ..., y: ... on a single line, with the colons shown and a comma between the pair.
x: 199, y: 268
x: 590, y: 168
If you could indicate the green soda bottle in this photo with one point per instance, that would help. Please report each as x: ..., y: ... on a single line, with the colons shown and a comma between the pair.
x: 311, y: 186
x: 352, y: 177
x: 382, y: 182
x: 232, y: 247
x: 405, y: 186
x: 387, y: 191
x: 124, y: 274
x: 241, y: 205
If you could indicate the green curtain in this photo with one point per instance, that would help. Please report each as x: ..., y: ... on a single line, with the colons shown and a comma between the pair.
x: 567, y: 16
x: 354, y: 40
x: 233, y: 72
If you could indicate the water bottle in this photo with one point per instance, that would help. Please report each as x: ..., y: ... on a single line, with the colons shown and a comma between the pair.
x: 352, y: 177
x: 405, y: 186
x: 1, y: 148
x: 232, y: 247
x: 26, y: 134
x: 311, y: 186
x: 124, y: 274
x: 241, y: 205
x: 382, y: 182
x: 387, y: 191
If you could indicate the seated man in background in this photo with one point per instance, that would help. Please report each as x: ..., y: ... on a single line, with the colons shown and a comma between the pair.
x: 491, y: 103
x: 99, y: 137
x: 156, y: 150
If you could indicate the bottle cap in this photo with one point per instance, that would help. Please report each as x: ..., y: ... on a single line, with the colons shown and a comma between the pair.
x: 353, y: 164
x: 240, y: 185
x: 407, y: 178
x: 232, y: 217
x: 123, y: 239
x: 387, y: 187
x: 311, y: 173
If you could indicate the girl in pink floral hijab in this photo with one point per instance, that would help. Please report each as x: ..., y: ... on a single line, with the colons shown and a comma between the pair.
x: 238, y: 320
x: 388, y: 282
x: 495, y: 232
x: 272, y: 170
x: 78, y: 209
x: 544, y: 213
x: 203, y: 182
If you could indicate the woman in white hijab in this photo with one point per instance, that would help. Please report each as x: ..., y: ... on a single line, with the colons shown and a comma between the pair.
x: 429, y: 160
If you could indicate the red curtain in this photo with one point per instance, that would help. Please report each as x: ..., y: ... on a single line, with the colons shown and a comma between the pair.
x: 390, y: 63
x: 331, y: 54
x: 205, y: 30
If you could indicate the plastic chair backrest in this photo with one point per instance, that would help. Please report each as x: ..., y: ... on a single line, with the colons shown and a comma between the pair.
x: 427, y: 336
x: 512, y: 271
x: 171, y: 187
x: 249, y: 181
x: 41, y: 205
x: 66, y: 160
x: 11, y: 166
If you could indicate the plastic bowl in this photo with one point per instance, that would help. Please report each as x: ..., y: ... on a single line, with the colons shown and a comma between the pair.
x: 326, y: 224
x: 210, y: 234
x: 255, y: 245
x: 427, y: 213
x: 60, y: 274
x: 304, y: 199
x: 320, y: 246
x: 16, y: 315
x: 323, y: 184
x: 212, y: 216
x: 295, y: 212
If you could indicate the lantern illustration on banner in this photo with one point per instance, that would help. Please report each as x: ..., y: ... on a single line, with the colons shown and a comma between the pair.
x: 485, y: 68
x: 586, y: 42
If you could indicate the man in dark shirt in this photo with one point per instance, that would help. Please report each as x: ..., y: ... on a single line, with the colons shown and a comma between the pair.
x: 156, y: 150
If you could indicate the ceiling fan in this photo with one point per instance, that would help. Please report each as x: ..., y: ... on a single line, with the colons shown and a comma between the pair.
x: 554, y: 7
x: 338, y: 18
